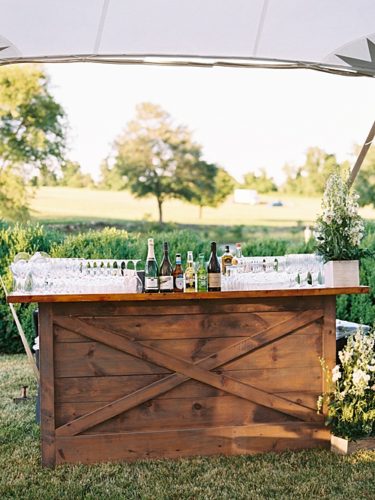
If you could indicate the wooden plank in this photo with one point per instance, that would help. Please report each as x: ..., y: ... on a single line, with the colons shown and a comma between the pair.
x: 112, y: 310
x: 290, y: 382
x: 186, y: 413
x: 186, y: 369
x: 96, y: 360
x: 200, y: 325
x: 183, y: 443
x: 133, y: 297
x: 47, y: 399
x: 283, y: 353
x: 328, y: 340
x: 173, y: 327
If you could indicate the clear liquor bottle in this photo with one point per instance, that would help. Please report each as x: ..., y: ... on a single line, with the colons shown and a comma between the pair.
x: 189, y: 275
x: 226, y: 259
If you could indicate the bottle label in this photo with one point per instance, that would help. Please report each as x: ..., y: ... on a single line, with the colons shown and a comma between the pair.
x: 179, y: 283
x: 190, y: 284
x: 202, y: 283
x: 214, y: 280
x: 151, y: 283
x: 166, y: 282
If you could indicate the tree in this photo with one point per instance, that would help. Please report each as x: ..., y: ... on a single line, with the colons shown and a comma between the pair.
x: 72, y: 176
x: 213, y: 185
x: 32, y: 131
x: 310, y: 178
x: 110, y: 178
x: 156, y: 157
x: 261, y: 183
x: 365, y: 181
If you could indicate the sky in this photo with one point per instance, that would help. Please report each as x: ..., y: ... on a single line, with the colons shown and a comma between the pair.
x: 245, y: 119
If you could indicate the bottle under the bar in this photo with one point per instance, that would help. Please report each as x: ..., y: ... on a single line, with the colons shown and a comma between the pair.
x: 178, y: 275
x: 213, y: 270
x: 189, y: 275
x: 151, y: 270
x: 165, y: 273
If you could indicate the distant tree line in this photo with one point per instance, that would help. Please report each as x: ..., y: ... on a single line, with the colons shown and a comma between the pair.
x: 153, y: 156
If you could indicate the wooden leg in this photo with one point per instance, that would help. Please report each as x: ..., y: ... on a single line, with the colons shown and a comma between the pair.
x: 47, y: 391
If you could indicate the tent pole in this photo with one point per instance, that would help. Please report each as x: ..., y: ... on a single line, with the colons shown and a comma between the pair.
x: 362, y: 155
x: 22, y: 335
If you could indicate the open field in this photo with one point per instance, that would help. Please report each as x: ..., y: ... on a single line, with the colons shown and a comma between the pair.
x: 75, y: 205
x: 311, y: 474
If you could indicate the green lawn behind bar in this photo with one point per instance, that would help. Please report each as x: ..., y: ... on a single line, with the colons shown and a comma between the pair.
x: 78, y: 205
x: 308, y: 475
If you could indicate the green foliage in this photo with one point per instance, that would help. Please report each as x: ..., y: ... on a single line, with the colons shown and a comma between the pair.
x: 213, y: 185
x: 32, y: 134
x: 365, y: 181
x: 14, y: 239
x: 72, y: 176
x: 339, y: 228
x: 117, y: 243
x: 262, y: 183
x: 310, y: 178
x: 351, y: 396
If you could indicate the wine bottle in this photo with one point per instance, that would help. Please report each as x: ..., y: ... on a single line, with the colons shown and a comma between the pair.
x: 213, y: 270
x: 202, y: 277
x: 189, y: 275
x: 178, y: 275
x: 151, y: 269
x: 165, y: 272
x: 226, y: 259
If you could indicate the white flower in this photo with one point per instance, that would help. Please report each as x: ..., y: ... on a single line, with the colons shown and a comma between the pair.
x: 360, y: 378
x: 371, y: 368
x: 336, y: 374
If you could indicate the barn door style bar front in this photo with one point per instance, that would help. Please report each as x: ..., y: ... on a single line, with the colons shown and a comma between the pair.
x: 126, y: 377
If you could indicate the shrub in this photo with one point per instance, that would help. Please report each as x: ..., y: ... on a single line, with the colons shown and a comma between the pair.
x: 114, y: 243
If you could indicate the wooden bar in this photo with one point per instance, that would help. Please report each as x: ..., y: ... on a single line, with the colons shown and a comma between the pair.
x: 127, y: 377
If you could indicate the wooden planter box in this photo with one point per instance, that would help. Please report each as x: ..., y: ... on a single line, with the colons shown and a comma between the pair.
x: 343, y: 446
x: 341, y: 273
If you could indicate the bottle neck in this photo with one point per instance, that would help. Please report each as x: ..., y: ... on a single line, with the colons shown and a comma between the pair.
x: 151, y: 252
x: 213, y: 249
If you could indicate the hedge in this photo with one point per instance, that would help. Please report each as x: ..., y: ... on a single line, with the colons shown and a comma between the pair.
x: 114, y: 243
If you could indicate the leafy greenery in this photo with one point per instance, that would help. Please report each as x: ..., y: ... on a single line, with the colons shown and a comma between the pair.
x: 262, y: 182
x: 212, y: 186
x: 310, y: 178
x: 311, y: 474
x: 32, y: 134
x: 365, y: 181
x: 120, y: 243
x: 339, y: 228
x: 351, y: 398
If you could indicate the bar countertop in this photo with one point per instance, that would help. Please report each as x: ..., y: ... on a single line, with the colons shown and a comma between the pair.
x: 135, y: 297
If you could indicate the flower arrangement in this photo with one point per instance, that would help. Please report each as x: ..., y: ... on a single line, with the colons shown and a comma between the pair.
x: 339, y: 229
x: 350, y: 400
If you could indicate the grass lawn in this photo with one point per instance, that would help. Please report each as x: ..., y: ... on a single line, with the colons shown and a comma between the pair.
x: 311, y: 474
x: 77, y: 205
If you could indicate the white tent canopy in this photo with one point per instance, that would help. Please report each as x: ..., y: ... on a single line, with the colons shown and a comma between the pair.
x: 328, y: 35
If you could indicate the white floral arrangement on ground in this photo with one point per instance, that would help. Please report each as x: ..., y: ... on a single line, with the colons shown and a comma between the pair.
x: 339, y: 229
x: 350, y: 401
